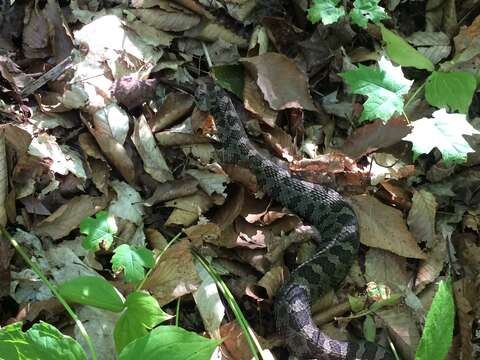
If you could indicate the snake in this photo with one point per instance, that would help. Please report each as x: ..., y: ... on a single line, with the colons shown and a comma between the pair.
x: 322, y: 207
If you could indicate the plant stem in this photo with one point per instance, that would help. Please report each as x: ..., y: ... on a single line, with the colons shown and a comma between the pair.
x: 53, y: 289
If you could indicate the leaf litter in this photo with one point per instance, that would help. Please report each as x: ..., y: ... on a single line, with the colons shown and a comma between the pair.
x: 387, y: 114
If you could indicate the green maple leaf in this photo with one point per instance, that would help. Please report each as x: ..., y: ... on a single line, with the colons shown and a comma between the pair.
x: 325, y: 10
x: 364, y: 10
x: 445, y: 132
x: 99, y: 231
x: 132, y: 261
x: 383, y: 86
x: 453, y: 90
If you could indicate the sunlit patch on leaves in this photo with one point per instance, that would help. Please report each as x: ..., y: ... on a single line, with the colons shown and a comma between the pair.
x: 438, y: 332
x: 364, y: 10
x: 453, y: 90
x: 99, y: 231
x: 384, y: 87
x: 327, y: 11
x: 41, y: 341
x: 445, y: 132
x: 132, y: 261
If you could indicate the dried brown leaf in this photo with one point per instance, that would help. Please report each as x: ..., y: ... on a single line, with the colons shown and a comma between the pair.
x: 174, y: 275
x: 376, y: 135
x: 153, y: 161
x: 175, y: 107
x: 282, y: 82
x: 384, y: 227
x: 68, y: 217
x: 421, y: 217
x: 386, y: 268
x: 167, y: 20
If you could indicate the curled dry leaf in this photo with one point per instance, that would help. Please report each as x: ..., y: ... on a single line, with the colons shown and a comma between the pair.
x: 173, y: 190
x: 188, y: 209
x: 174, y: 275
x: 153, y: 160
x: 466, y: 296
x: 273, y: 280
x: 112, y: 149
x: 167, y: 20
x: 175, y: 107
x: 68, y: 216
x: 421, y: 217
x: 174, y: 138
x: 282, y: 82
x: 376, y: 135
x: 210, y: 31
x: 256, y: 104
x: 384, y: 227
x: 430, y: 268
x: 386, y: 268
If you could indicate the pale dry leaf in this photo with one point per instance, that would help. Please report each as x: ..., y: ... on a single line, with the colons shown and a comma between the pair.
x: 384, y: 227
x: 128, y: 204
x: 466, y: 297
x: 188, y: 209
x: 386, y: 268
x: 255, y: 103
x: 151, y: 35
x: 167, y: 20
x: 273, y: 280
x: 174, y: 275
x: 113, y: 150
x: 282, y: 82
x: 201, y: 233
x: 175, y: 107
x: 173, y: 190
x: 210, y: 182
x: 402, y: 328
x: 235, y: 343
x: 431, y: 267
x: 210, y: 31
x: 421, y: 217
x: 153, y: 161
x: 68, y: 217
x: 209, y: 303
x: 115, y: 120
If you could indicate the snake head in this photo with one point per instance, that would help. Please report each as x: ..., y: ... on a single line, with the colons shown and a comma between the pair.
x: 207, y: 93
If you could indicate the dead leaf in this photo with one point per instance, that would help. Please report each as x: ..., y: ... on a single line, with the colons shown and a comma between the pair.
x: 384, y: 227
x: 376, y: 135
x: 153, y: 161
x: 421, y: 217
x: 68, y: 217
x: 283, y: 84
x: 174, y: 107
x: 174, y: 275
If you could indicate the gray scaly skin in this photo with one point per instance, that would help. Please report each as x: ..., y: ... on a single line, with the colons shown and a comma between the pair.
x: 322, y: 207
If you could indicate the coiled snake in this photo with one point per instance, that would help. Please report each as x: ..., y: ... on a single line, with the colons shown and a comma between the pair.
x: 322, y: 207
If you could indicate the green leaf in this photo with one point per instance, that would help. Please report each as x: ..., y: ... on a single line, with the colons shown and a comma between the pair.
x: 132, y: 261
x: 142, y: 313
x: 384, y: 88
x: 42, y: 341
x: 364, y: 10
x: 325, y: 10
x: 172, y: 343
x: 369, y: 328
x: 453, y: 90
x: 94, y: 291
x: 230, y: 77
x: 445, y: 132
x: 402, y: 52
x: 438, y: 332
x: 357, y: 303
x: 99, y: 231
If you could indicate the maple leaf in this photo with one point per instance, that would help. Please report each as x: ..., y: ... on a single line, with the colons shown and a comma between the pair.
x: 325, y: 10
x: 132, y: 261
x: 99, y: 231
x: 383, y: 86
x: 364, y: 10
x: 445, y: 132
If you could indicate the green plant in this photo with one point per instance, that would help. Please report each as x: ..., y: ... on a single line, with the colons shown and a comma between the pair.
x: 329, y: 11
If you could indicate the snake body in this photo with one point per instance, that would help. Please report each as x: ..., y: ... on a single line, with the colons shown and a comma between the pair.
x: 323, y: 208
